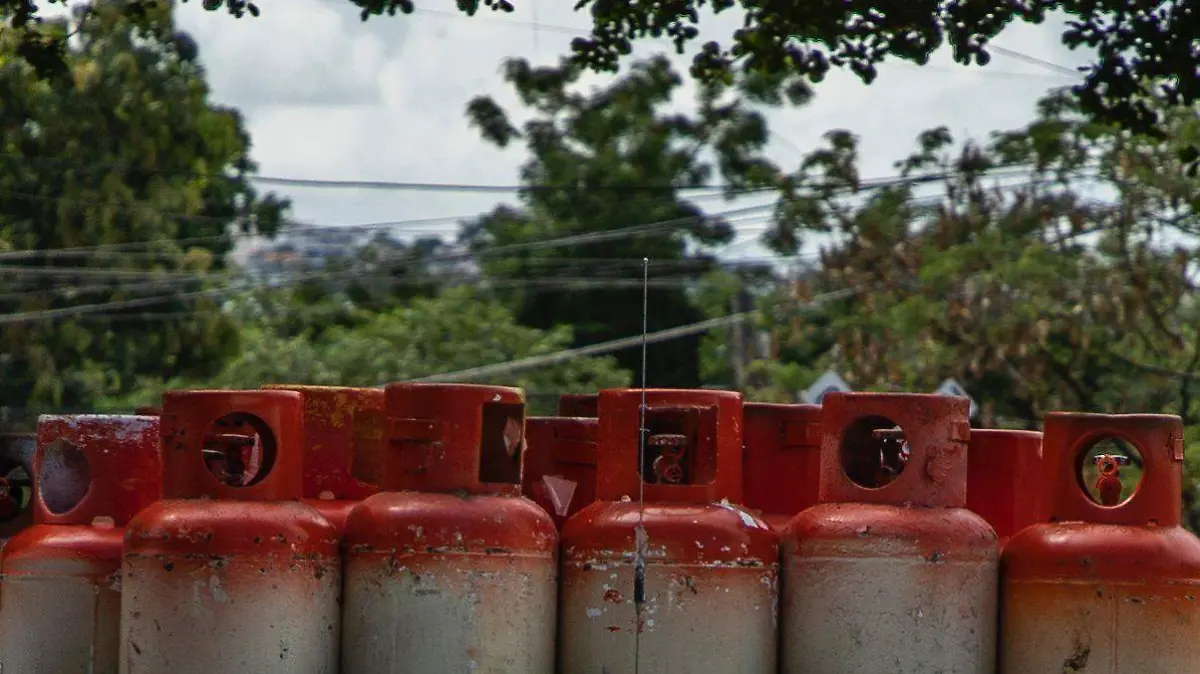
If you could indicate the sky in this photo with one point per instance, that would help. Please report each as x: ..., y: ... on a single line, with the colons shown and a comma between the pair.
x: 328, y: 96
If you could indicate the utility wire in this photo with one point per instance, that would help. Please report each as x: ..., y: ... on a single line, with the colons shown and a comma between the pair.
x: 293, y: 227
x: 288, y: 227
x: 1012, y: 53
x: 393, y: 185
x: 572, y: 240
x: 576, y: 240
x: 102, y: 249
x: 614, y: 345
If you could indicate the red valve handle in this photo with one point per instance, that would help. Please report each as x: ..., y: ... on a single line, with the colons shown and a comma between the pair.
x: 209, y: 448
x: 1069, y: 436
x: 693, y: 442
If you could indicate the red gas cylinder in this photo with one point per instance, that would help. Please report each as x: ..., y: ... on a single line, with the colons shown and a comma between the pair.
x: 890, y: 573
x: 60, y: 587
x: 450, y: 570
x: 231, y: 574
x: 16, y: 485
x: 342, y: 426
x: 663, y: 573
x: 1004, y: 473
x: 782, y: 459
x: 578, y: 405
x: 559, y: 470
x: 1105, y: 588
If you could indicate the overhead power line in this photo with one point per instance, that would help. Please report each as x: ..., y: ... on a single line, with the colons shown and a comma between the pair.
x: 296, y: 227
x: 718, y: 189
x: 665, y: 226
x: 1012, y: 53
x: 614, y: 345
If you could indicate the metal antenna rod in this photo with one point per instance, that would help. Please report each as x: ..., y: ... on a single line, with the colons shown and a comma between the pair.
x: 640, y: 539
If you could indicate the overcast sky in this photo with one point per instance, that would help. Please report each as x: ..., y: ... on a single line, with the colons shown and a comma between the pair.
x: 328, y: 96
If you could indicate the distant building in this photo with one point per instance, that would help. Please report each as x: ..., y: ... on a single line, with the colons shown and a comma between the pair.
x: 309, y: 250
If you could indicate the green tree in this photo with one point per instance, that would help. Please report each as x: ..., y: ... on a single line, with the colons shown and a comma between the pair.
x: 1141, y: 52
x: 120, y: 182
x: 606, y: 168
x: 1052, y: 268
x: 460, y: 328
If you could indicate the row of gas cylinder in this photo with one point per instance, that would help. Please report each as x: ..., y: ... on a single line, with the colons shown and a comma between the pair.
x: 434, y: 528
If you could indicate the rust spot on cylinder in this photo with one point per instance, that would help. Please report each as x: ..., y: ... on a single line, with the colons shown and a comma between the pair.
x: 1079, y: 659
x: 613, y: 596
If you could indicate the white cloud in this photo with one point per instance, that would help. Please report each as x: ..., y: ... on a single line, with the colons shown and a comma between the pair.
x: 328, y: 96
x: 299, y: 53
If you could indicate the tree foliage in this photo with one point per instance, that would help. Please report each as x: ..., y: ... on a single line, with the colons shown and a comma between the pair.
x: 1051, y: 268
x: 460, y: 328
x: 604, y: 178
x: 1141, y: 51
x: 119, y: 181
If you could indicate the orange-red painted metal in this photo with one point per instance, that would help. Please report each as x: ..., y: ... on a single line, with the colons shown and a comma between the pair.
x: 60, y: 584
x: 450, y: 570
x: 559, y: 470
x: 782, y: 460
x: 1105, y: 588
x: 342, y: 426
x: 16, y: 487
x: 578, y: 405
x: 1004, y: 479
x: 231, y: 573
x: 895, y: 575
x: 685, y: 581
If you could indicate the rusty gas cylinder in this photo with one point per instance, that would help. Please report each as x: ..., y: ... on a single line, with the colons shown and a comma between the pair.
x: 782, y: 459
x: 450, y: 569
x: 342, y: 427
x: 1004, y: 479
x: 578, y: 405
x: 890, y: 572
x: 664, y: 572
x: 16, y: 483
x: 230, y: 573
x: 559, y: 471
x: 1108, y: 586
x: 60, y: 593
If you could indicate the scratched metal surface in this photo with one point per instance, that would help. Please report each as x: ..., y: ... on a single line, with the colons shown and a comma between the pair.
x: 60, y: 600
x: 229, y: 586
x: 708, y: 599
x: 1105, y: 588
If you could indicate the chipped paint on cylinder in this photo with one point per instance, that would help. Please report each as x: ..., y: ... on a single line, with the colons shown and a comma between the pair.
x: 445, y: 582
x: 450, y: 569
x: 700, y: 556
x: 559, y: 470
x: 895, y: 575
x: 782, y: 460
x: 224, y: 575
x: 342, y: 427
x: 880, y: 589
x: 1104, y: 588
x: 578, y: 405
x: 60, y: 600
x: 60, y: 589
x: 702, y: 561
x: 1004, y: 471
